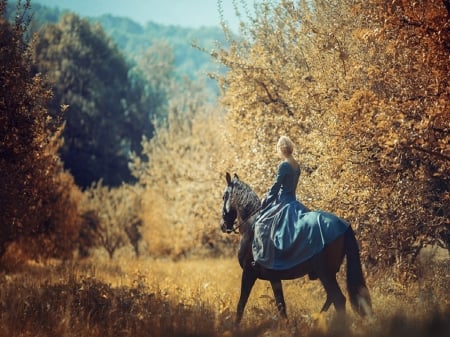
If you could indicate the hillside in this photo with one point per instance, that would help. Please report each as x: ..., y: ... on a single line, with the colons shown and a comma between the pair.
x: 132, y: 38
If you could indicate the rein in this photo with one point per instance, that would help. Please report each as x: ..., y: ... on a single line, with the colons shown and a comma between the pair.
x: 235, y: 228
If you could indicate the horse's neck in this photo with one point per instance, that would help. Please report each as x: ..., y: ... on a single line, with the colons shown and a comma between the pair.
x: 245, y: 247
x: 248, y: 208
x: 247, y: 213
x: 245, y: 255
x: 244, y: 214
x: 246, y: 220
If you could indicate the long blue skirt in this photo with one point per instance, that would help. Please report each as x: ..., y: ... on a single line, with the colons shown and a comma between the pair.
x: 289, y: 234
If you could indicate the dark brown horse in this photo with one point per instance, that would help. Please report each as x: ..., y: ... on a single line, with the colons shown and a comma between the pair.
x: 241, y: 203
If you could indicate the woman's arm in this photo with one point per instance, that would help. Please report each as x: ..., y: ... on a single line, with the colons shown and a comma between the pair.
x: 273, y: 192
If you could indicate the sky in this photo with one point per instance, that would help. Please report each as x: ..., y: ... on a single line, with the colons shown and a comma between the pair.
x: 185, y: 13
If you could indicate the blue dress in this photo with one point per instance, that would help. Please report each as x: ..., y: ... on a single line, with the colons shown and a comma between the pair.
x: 286, y: 232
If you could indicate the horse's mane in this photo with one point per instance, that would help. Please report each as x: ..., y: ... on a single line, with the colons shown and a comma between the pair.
x: 246, y: 199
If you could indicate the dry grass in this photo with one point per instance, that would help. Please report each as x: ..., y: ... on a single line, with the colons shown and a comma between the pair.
x: 147, y: 297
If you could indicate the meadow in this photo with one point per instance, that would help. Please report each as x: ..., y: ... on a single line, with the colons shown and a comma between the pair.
x: 197, y: 297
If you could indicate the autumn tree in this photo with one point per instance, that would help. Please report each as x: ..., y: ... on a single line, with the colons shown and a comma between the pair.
x: 114, y: 216
x: 181, y: 195
x: 400, y: 126
x: 365, y: 101
x: 38, y: 212
x: 106, y: 115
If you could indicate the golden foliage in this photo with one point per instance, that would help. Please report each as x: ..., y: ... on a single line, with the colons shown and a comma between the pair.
x: 369, y: 122
x: 181, y: 197
x: 362, y: 89
x: 38, y: 198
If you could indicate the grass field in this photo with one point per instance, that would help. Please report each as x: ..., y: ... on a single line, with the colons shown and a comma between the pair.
x: 197, y: 297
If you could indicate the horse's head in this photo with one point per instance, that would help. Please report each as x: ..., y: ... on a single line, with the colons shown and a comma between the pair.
x: 239, y: 202
x: 229, y: 211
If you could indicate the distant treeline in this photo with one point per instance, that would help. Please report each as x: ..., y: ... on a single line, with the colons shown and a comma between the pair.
x: 132, y: 38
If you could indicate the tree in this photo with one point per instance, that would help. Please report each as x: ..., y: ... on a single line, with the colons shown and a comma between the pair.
x: 369, y: 120
x: 155, y: 66
x: 114, y: 213
x: 400, y: 120
x: 104, y: 120
x: 179, y: 179
x: 38, y: 198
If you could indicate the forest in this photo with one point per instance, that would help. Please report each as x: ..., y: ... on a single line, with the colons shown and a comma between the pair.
x: 115, y: 139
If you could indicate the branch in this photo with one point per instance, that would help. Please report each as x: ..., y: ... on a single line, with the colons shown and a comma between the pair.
x: 275, y: 99
x: 431, y: 153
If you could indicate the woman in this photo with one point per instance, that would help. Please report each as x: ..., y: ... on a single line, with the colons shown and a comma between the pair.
x: 287, y: 233
x: 283, y: 190
x: 278, y: 225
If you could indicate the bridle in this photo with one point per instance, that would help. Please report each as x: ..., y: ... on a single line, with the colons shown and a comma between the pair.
x: 230, y: 226
x: 236, y: 226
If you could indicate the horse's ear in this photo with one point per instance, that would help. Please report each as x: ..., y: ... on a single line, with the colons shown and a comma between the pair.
x: 236, y: 176
x: 228, y: 178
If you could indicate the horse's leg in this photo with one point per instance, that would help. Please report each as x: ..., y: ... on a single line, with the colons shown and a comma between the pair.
x: 326, y: 305
x: 279, y: 297
x: 247, y: 282
x: 334, y: 294
x: 325, y: 266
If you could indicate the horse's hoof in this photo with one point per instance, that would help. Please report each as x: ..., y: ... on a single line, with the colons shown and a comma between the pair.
x: 319, y: 321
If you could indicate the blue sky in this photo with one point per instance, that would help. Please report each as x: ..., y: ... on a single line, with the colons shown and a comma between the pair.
x: 186, y: 13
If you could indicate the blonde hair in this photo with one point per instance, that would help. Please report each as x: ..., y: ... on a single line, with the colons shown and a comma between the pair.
x: 285, y: 145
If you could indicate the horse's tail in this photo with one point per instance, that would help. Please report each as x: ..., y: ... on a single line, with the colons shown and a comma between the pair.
x: 356, y: 285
